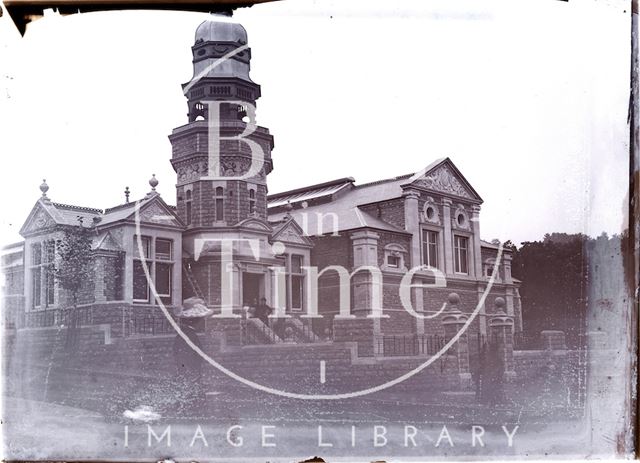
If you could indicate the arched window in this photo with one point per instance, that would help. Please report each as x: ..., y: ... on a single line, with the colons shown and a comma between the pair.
x: 252, y: 201
x: 219, y: 203
x: 188, y: 207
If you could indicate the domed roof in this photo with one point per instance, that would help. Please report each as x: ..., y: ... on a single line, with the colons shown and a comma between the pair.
x: 217, y: 29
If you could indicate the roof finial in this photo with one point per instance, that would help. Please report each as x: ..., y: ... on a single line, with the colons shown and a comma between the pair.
x: 44, y: 188
x: 288, y: 207
x: 126, y: 194
x: 153, y: 181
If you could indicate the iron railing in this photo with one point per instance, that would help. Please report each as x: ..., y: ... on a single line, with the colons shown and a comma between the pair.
x: 59, y: 317
x: 278, y: 330
x: 148, y: 325
x: 390, y: 346
x: 258, y: 333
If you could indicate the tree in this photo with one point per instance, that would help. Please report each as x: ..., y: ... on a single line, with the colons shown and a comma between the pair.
x: 73, y: 269
x: 554, y: 274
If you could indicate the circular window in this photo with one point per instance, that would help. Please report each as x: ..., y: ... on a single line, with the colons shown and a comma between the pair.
x: 430, y: 213
x: 460, y: 219
x: 201, y: 52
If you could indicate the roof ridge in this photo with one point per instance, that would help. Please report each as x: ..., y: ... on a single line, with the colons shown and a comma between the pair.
x: 377, y: 182
x: 118, y: 207
x: 337, y: 181
x: 76, y: 208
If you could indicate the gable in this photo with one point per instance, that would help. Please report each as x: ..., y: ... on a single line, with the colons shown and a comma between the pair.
x: 444, y: 178
x: 155, y: 212
x: 107, y: 243
x: 292, y: 233
x: 39, y: 219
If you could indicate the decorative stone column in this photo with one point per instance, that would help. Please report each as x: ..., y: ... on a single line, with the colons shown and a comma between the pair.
x: 448, y: 238
x: 364, y: 286
x: 453, y: 321
x: 412, y: 225
x: 502, y: 331
x: 477, y: 254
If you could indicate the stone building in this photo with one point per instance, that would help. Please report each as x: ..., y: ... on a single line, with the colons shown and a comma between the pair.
x: 146, y: 252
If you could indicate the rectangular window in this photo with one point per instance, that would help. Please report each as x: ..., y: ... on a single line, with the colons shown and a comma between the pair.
x: 430, y: 248
x: 296, y: 263
x: 50, y: 251
x: 164, y: 249
x: 252, y: 201
x: 163, y: 282
x: 461, y: 253
x: 36, y: 287
x: 50, y: 287
x: 393, y: 261
x: 140, y: 283
x: 36, y: 250
x: 295, y: 282
x: 146, y: 247
x: 157, y: 259
x: 296, y: 292
x: 219, y: 209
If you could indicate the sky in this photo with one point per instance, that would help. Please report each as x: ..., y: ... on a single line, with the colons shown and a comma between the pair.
x: 528, y: 98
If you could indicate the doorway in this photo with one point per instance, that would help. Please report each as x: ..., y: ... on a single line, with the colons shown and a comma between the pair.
x: 252, y: 288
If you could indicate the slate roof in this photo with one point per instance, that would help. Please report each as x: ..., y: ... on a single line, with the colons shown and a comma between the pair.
x: 309, y: 193
x: 346, y: 204
x: 67, y: 214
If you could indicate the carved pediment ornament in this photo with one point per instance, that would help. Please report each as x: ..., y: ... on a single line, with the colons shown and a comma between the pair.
x: 41, y: 220
x: 289, y: 235
x: 156, y: 214
x: 443, y: 180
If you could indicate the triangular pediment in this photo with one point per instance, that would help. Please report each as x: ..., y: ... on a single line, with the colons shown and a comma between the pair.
x: 444, y: 177
x: 158, y: 213
x: 38, y: 219
x: 292, y: 233
x: 107, y: 243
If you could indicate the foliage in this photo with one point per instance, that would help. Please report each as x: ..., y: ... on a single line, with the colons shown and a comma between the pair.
x: 554, y: 290
x: 74, y: 258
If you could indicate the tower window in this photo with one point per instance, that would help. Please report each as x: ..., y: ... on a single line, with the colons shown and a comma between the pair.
x: 252, y: 201
x: 188, y: 207
x: 219, y: 204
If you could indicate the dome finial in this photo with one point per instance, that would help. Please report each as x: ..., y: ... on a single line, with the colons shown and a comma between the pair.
x: 44, y: 188
x: 153, y: 181
x: 126, y: 194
